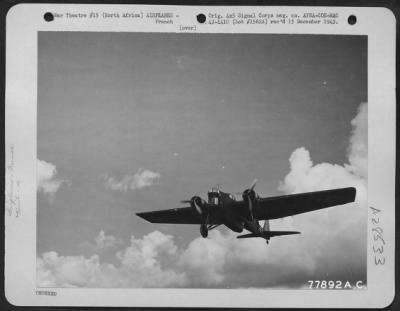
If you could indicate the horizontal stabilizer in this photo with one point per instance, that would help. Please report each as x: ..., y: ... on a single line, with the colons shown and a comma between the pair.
x: 250, y: 235
x: 267, y: 234
x: 270, y: 234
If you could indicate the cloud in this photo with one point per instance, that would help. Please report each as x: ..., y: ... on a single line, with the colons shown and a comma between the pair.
x: 142, y: 261
x: 69, y: 271
x: 102, y: 244
x: 141, y: 179
x: 305, y: 176
x: 47, y: 181
x: 332, y: 245
x: 104, y: 241
x: 139, y: 266
x: 224, y: 261
x: 358, y: 147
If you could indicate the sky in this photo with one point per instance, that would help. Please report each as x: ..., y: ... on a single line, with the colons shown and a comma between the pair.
x: 132, y: 122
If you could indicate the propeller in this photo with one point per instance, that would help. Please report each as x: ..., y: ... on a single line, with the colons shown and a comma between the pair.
x: 191, y: 200
x: 196, y: 203
x: 253, y: 185
x: 249, y: 195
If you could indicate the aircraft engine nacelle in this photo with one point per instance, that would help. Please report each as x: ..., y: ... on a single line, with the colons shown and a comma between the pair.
x: 249, y: 194
x: 198, y: 205
x: 234, y: 226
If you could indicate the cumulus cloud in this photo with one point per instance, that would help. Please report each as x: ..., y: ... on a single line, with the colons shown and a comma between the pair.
x: 47, y: 180
x: 104, y: 241
x: 54, y: 270
x: 141, y: 179
x: 305, y: 176
x: 102, y: 244
x: 224, y: 261
x: 156, y: 261
x: 139, y: 265
x: 358, y: 147
x: 142, y: 261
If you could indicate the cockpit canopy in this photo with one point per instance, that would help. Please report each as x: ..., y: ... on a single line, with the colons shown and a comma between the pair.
x: 213, y: 196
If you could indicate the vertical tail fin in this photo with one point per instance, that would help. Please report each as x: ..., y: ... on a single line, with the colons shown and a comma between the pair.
x: 266, y: 225
x: 267, y: 234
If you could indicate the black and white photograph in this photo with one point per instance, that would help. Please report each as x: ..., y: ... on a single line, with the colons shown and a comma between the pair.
x: 209, y: 157
x: 156, y: 152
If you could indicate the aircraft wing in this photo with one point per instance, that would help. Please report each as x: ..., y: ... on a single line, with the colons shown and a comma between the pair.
x: 293, y: 204
x: 183, y: 215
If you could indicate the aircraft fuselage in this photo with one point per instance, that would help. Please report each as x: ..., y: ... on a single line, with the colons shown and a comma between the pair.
x: 221, y: 206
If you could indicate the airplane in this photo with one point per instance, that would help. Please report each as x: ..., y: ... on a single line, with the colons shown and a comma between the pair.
x: 223, y: 209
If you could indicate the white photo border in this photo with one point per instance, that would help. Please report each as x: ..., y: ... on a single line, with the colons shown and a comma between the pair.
x: 24, y: 21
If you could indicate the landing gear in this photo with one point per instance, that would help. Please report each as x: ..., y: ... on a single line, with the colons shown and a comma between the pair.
x: 267, y: 241
x: 204, y: 230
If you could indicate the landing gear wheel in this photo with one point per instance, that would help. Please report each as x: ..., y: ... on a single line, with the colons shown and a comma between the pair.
x: 203, y: 230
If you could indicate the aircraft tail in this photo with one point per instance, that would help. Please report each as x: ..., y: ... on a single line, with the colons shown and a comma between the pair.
x: 267, y: 234
x: 250, y: 235
x: 270, y: 234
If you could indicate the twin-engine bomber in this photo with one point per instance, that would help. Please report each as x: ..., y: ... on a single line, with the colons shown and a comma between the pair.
x: 223, y: 209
